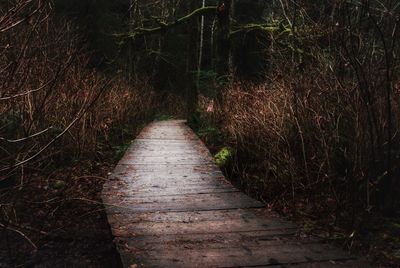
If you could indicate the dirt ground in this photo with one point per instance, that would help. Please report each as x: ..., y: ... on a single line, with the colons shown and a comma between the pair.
x: 58, y: 220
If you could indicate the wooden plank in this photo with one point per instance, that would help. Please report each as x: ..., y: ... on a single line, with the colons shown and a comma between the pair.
x: 272, y: 253
x: 150, y: 174
x: 227, y: 240
x: 151, y: 184
x: 197, y: 222
x: 161, y: 132
x: 127, y: 181
x: 171, y: 191
x: 161, y: 173
x: 167, y: 152
x: 261, y: 215
x: 188, y: 202
x: 180, y: 168
x: 346, y: 263
x: 156, y: 148
x: 164, y: 160
x: 149, y: 142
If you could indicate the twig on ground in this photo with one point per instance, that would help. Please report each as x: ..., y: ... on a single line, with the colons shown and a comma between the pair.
x: 20, y: 233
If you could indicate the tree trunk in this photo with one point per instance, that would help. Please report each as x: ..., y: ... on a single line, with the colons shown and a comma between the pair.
x: 223, y: 38
x: 201, y: 45
x: 248, y: 51
x: 192, y: 62
x: 223, y: 44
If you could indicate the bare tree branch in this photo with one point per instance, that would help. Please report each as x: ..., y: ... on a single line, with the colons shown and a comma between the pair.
x: 164, y: 26
x: 27, y: 138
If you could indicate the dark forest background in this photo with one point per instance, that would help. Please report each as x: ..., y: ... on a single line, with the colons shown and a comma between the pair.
x: 298, y: 99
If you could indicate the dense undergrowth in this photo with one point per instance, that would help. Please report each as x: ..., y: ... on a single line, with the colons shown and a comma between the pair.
x: 305, y: 159
x: 63, y: 124
x: 317, y: 139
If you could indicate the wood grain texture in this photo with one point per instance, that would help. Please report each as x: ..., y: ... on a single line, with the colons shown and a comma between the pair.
x: 169, y: 205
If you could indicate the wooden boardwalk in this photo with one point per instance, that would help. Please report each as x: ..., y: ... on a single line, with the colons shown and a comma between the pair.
x: 170, y: 206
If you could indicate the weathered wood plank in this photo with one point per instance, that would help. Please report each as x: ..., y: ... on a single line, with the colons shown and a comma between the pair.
x: 164, y: 160
x: 197, y: 222
x: 171, y: 191
x: 188, y: 202
x: 228, y: 240
x: 155, y: 131
x: 261, y: 215
x: 169, y: 205
x: 238, y: 255
x: 126, y: 181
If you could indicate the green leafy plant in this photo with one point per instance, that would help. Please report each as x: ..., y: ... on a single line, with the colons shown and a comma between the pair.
x: 224, y: 156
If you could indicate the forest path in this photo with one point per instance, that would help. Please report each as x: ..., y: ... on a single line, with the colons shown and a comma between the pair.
x: 169, y: 205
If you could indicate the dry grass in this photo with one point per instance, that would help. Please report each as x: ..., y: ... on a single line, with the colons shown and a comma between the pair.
x: 303, y: 145
x: 324, y: 127
x: 59, y: 119
x: 50, y: 95
x: 303, y: 140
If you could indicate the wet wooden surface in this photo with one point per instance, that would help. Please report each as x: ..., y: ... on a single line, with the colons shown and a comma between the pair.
x: 169, y: 205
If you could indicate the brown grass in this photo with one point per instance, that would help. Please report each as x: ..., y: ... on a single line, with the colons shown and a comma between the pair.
x: 305, y: 137
x: 48, y: 88
x: 60, y: 121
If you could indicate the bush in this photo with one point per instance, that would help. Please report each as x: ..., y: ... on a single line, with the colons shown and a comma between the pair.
x: 50, y: 95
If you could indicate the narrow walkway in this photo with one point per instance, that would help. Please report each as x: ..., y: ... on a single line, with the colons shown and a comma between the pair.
x: 170, y: 206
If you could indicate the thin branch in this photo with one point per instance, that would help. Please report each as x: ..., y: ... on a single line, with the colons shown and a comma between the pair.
x: 79, y: 116
x: 269, y: 28
x: 25, y: 93
x: 14, y: 10
x: 26, y: 18
x: 164, y: 26
x: 21, y: 234
x: 26, y: 138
